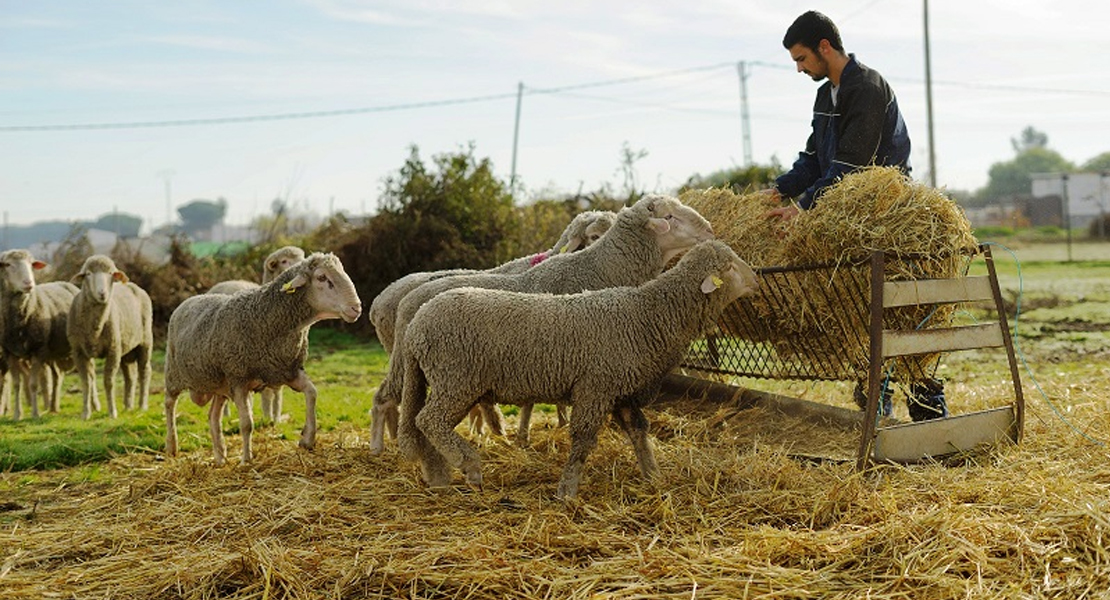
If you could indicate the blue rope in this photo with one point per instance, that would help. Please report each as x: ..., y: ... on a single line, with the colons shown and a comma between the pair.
x: 1021, y: 355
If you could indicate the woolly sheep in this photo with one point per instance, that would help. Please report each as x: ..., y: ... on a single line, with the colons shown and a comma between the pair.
x: 603, y: 352
x: 34, y: 318
x: 584, y: 229
x: 221, y: 347
x: 110, y: 318
x: 644, y: 238
x: 275, y: 264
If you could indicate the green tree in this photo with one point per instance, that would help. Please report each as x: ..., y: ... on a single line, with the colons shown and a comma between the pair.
x: 1097, y: 164
x: 1030, y: 138
x: 738, y: 178
x: 121, y: 224
x: 1012, y: 178
x: 201, y: 215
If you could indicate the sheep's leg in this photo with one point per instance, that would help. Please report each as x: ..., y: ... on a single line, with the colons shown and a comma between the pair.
x: 87, y: 378
x: 278, y: 403
x: 493, y: 417
x: 411, y: 439
x: 111, y: 367
x: 144, y: 370
x: 56, y: 389
x: 561, y: 412
x: 583, y: 438
x: 5, y: 391
x: 632, y: 420
x: 524, y: 427
x: 267, y: 399
x: 20, y: 381
x: 384, y: 412
x: 304, y: 385
x: 128, y: 369
x: 171, y: 422
x: 242, y: 399
x: 34, y: 382
x: 215, y: 412
x: 437, y: 421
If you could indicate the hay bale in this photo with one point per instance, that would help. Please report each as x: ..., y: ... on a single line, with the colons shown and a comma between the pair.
x: 925, y: 234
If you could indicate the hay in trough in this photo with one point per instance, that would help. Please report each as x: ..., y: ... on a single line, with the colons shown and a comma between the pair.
x: 923, y: 233
x: 733, y: 515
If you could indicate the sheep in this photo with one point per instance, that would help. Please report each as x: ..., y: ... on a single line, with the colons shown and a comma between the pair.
x: 110, y: 318
x: 275, y: 264
x: 584, y: 229
x: 644, y: 237
x: 602, y: 352
x: 220, y: 346
x: 34, y: 318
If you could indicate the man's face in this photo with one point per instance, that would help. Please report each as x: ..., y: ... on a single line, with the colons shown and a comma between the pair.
x: 809, y: 62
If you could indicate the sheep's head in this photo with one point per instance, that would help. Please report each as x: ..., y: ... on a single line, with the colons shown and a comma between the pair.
x: 19, y: 268
x: 726, y: 273
x: 96, y: 278
x: 330, y: 292
x: 584, y: 229
x: 279, y: 261
x: 677, y: 227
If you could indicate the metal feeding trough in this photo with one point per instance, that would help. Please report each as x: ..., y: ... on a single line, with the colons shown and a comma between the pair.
x: 851, y: 322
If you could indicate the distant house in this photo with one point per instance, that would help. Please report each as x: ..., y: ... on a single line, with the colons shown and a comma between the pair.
x: 1077, y: 197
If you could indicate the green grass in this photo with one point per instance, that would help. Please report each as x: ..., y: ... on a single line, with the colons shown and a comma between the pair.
x: 345, y: 369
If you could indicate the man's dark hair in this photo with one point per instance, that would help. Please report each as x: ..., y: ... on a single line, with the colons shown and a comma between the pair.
x: 809, y: 29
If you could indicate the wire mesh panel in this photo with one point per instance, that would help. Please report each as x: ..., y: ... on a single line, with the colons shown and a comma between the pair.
x: 810, y: 323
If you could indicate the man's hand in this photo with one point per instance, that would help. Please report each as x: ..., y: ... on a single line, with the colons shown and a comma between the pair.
x: 783, y: 212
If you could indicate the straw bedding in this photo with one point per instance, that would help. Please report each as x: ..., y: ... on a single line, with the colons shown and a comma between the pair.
x: 732, y: 516
x: 923, y: 232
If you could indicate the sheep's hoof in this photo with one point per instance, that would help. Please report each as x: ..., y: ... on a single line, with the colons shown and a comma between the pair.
x: 307, y: 444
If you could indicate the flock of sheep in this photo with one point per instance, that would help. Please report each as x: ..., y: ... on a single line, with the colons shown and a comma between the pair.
x: 593, y: 325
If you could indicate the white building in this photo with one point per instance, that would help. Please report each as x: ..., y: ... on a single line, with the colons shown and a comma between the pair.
x: 1087, y: 194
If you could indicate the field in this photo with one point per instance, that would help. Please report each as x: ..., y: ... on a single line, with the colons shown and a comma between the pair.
x: 742, y: 508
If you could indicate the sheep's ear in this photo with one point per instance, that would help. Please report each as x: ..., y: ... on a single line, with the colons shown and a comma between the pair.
x: 292, y: 285
x: 660, y: 226
x: 271, y: 265
x: 710, y: 284
x: 120, y: 276
x: 77, y: 279
x: 38, y: 264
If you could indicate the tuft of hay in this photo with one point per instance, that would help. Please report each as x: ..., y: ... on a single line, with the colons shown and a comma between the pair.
x: 732, y: 515
x: 924, y: 234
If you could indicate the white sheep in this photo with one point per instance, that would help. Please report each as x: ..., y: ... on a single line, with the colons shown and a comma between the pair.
x: 221, y: 347
x: 34, y: 318
x: 584, y: 229
x: 642, y: 240
x: 110, y: 318
x: 275, y: 264
x: 602, y: 352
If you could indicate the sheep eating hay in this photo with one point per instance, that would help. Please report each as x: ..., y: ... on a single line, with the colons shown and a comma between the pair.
x: 584, y: 229
x: 222, y: 346
x: 644, y: 237
x: 601, y: 352
x: 111, y: 318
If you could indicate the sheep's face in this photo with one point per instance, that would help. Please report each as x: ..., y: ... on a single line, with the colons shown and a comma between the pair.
x: 96, y: 278
x: 598, y: 227
x: 280, y: 261
x: 587, y: 228
x: 677, y: 227
x: 331, y: 293
x: 19, y: 271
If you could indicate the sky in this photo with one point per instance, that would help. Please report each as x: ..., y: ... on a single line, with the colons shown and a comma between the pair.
x: 142, y: 106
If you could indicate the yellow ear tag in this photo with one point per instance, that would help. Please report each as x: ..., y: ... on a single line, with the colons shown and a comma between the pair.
x: 717, y: 281
x: 563, y: 249
x: 288, y: 288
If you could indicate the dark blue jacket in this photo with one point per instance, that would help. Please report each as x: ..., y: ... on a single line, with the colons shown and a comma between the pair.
x: 863, y: 128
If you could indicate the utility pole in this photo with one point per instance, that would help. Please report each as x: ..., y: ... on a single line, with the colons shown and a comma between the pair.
x: 1067, y: 210
x: 516, y: 138
x: 167, y: 178
x: 929, y: 103
x: 745, y: 122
